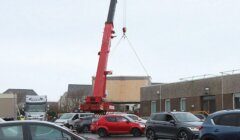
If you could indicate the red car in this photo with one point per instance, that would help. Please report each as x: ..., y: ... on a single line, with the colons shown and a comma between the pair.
x: 93, y: 126
x: 118, y: 124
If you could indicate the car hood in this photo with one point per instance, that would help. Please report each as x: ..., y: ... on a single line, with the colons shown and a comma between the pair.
x: 142, y: 121
x: 193, y: 123
x: 61, y: 121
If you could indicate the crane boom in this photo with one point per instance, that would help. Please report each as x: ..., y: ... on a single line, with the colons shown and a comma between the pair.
x: 95, y: 103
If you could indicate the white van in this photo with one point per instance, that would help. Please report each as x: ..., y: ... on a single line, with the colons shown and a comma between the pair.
x: 69, y: 119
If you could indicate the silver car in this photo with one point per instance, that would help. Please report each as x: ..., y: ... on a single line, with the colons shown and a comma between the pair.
x: 35, y: 130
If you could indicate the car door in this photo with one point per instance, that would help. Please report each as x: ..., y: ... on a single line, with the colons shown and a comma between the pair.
x: 158, y: 122
x: 169, y: 127
x: 45, y: 132
x: 111, y: 124
x: 123, y: 125
x: 227, y: 126
x: 74, y: 119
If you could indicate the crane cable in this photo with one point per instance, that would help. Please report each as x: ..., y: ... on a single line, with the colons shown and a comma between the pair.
x: 124, y: 36
x: 138, y: 58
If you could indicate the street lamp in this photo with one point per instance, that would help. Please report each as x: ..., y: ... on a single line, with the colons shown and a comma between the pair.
x: 159, y: 92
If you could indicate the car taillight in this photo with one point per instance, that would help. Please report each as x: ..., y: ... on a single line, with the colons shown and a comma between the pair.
x: 200, y: 127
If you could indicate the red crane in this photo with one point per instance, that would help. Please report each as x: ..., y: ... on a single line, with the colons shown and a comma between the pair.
x: 96, y: 102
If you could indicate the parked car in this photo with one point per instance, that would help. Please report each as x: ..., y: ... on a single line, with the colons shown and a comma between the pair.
x: 118, y: 124
x: 221, y: 125
x: 173, y: 125
x: 93, y: 126
x: 201, y: 117
x: 83, y: 124
x: 35, y: 130
x: 69, y: 119
x: 136, y: 118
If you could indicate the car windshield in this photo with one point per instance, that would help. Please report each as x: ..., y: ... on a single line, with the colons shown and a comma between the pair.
x: 66, y: 116
x: 186, y: 117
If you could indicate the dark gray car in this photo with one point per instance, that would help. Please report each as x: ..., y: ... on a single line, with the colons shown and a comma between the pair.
x: 35, y: 130
x: 83, y: 124
x: 173, y: 125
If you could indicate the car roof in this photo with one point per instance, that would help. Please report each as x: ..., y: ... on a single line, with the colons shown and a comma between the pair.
x: 29, y: 121
x: 222, y: 112
x: 174, y: 112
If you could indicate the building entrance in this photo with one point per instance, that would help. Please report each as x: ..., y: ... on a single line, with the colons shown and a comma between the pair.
x: 208, y: 104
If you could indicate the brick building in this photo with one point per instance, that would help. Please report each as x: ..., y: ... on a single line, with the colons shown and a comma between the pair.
x: 209, y: 94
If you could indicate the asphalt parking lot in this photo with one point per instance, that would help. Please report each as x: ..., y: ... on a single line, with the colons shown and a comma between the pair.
x: 113, y: 137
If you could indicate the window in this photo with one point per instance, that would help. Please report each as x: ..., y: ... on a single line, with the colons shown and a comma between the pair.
x: 227, y: 120
x: 111, y: 119
x: 159, y: 117
x: 183, y: 104
x: 11, y: 133
x: 121, y: 119
x: 237, y: 101
x: 167, y: 105
x: 134, y: 117
x: 153, y: 107
x: 40, y: 132
x: 75, y: 117
x: 67, y: 136
x: 169, y: 118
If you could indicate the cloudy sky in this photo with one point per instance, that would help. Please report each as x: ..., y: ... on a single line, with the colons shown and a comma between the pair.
x: 47, y: 44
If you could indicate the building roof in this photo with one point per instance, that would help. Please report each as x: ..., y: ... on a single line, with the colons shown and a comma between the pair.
x: 20, y: 91
x: 21, y: 94
x: 127, y: 78
x: 79, y: 90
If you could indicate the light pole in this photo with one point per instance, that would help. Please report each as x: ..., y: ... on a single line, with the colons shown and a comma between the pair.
x: 222, y: 88
x: 159, y: 92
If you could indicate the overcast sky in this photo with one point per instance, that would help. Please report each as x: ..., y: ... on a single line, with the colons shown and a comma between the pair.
x: 47, y: 44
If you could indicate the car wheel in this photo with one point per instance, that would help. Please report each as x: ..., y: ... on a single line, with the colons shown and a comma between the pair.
x: 150, y: 134
x: 71, y: 127
x: 102, y: 132
x: 136, y: 132
x: 183, y: 135
x: 85, y: 129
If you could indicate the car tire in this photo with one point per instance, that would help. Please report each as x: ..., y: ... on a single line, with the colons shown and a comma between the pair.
x: 136, y: 132
x: 150, y: 134
x: 102, y: 132
x: 184, y: 135
x: 208, y: 138
x: 71, y: 127
x: 85, y: 129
